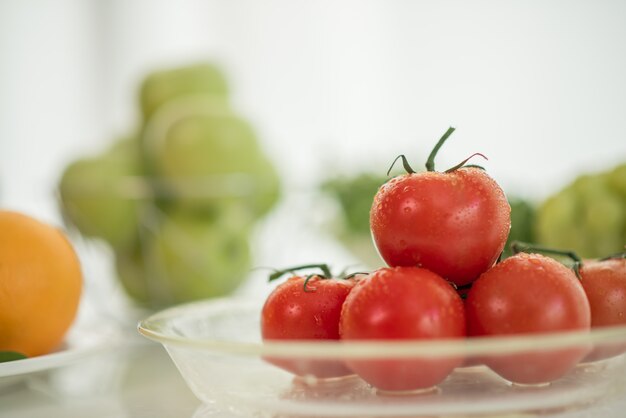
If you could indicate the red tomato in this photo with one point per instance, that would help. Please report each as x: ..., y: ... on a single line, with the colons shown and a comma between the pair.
x: 292, y: 312
x: 454, y: 224
x: 605, y: 285
x: 529, y: 294
x: 403, y: 303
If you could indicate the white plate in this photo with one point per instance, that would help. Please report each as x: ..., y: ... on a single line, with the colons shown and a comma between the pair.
x: 81, y: 341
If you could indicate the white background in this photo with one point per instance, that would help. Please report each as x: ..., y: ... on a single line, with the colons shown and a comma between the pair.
x: 537, y: 86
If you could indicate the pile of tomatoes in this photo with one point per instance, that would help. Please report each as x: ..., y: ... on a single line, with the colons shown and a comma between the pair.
x: 441, y: 234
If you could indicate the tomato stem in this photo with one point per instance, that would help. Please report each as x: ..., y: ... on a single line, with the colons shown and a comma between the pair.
x: 351, y: 275
x: 430, y: 163
x: 519, y: 247
x: 462, y: 163
x: 615, y: 256
x: 280, y: 273
x: 325, y: 274
x: 405, y: 164
x: 306, y: 283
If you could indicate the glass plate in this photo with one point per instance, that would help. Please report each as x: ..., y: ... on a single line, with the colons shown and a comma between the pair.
x: 217, y: 348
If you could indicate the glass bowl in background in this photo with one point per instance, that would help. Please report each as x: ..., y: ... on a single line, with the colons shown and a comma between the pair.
x: 217, y: 348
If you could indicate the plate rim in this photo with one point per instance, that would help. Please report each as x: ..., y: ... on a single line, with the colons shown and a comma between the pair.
x: 83, y: 341
x: 149, y: 328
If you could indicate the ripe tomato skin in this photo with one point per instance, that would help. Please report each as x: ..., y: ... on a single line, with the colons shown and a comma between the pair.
x: 454, y: 224
x: 403, y: 303
x: 529, y: 294
x: 605, y: 285
x: 290, y: 313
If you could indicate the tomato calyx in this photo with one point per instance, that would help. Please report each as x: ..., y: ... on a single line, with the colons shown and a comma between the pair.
x: 430, y: 162
x: 277, y: 274
x: 523, y: 247
x: 462, y: 163
x: 519, y: 247
x: 462, y: 290
x: 325, y: 274
x: 405, y: 164
x: 616, y: 256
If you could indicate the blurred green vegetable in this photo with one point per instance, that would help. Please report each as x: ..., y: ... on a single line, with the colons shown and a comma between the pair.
x: 132, y: 274
x: 354, y: 196
x: 160, y: 87
x: 203, y: 153
x: 588, y: 216
x: 522, y: 223
x: 97, y: 194
x: 189, y: 257
x: 177, y: 203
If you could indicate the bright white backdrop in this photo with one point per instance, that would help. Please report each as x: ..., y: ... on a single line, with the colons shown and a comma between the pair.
x: 538, y: 86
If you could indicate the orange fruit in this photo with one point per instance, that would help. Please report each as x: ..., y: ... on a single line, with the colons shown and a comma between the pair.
x: 40, y: 285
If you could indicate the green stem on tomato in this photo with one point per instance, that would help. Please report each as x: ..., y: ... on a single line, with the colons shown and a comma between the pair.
x: 306, y: 283
x: 280, y: 273
x: 405, y: 164
x: 351, y: 275
x: 462, y: 163
x: 616, y: 256
x: 430, y: 162
x: 519, y: 247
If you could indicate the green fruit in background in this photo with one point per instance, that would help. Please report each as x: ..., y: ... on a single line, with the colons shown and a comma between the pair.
x: 616, y: 179
x: 156, y: 129
x: 178, y: 202
x: 355, y: 195
x: 522, y: 223
x: 145, y: 271
x: 588, y: 216
x: 191, y: 257
x: 160, y: 87
x: 99, y: 195
x: 266, y: 187
x: 202, y: 145
x: 131, y: 272
x: 203, y: 153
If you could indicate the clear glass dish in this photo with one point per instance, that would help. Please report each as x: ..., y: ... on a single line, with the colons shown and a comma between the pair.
x: 217, y: 347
